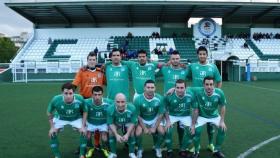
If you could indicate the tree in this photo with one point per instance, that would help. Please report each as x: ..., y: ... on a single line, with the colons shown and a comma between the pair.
x: 7, y: 50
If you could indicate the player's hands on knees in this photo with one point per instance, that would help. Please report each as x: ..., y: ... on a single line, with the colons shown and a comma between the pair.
x: 83, y: 130
x: 119, y: 138
x: 146, y: 130
x: 52, y: 132
x: 168, y: 125
x: 125, y: 138
x: 223, y: 126
x: 153, y: 130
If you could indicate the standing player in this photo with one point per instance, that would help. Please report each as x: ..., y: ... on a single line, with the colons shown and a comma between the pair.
x: 67, y: 107
x: 89, y: 76
x: 197, y: 72
x: 97, y: 118
x: 210, y: 100
x: 86, y: 78
x: 150, y: 109
x: 117, y: 76
x: 178, y: 109
x: 141, y: 71
x: 171, y: 74
x: 121, y: 115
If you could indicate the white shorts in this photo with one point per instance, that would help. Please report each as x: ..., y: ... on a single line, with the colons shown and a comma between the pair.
x: 202, y: 121
x: 61, y: 123
x: 93, y: 128
x: 183, y: 120
x: 153, y: 122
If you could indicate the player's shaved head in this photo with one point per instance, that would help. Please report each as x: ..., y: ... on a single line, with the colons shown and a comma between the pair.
x: 120, y: 96
x: 120, y: 102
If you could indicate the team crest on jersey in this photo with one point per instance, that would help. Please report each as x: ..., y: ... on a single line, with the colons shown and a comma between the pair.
x: 188, y: 100
x: 149, y: 68
x: 62, y: 107
x: 156, y: 103
x: 210, y: 69
x: 122, y: 69
x: 216, y: 99
x: 174, y: 101
x: 182, y: 72
x: 203, y: 98
x: 169, y: 71
x: 137, y: 68
x: 197, y: 67
x: 76, y: 106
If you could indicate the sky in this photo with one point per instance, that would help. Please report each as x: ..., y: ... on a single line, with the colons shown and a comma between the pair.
x: 12, y: 24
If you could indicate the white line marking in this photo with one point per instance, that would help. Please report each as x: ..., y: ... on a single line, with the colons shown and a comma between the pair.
x: 252, y: 86
x: 256, y: 147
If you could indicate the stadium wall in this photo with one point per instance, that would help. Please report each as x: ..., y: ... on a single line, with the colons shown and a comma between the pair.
x: 50, y: 76
x: 262, y: 76
x: 93, y: 32
x: 168, y: 32
x: 6, y: 76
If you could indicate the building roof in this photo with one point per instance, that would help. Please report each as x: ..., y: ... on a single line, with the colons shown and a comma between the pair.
x: 135, y: 13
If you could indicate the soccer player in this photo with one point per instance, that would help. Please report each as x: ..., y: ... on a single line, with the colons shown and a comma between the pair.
x: 210, y: 100
x: 178, y: 109
x: 150, y: 110
x: 121, y: 115
x: 141, y: 71
x: 117, y: 76
x: 86, y: 78
x: 197, y: 72
x: 97, y: 118
x: 89, y: 76
x: 67, y: 108
x: 171, y: 74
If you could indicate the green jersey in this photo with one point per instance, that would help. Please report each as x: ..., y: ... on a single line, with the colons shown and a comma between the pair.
x: 208, y: 105
x: 197, y: 72
x: 180, y: 106
x: 149, y: 109
x: 121, y: 118
x: 117, y: 80
x: 171, y: 75
x: 67, y: 112
x: 141, y: 73
x: 97, y: 114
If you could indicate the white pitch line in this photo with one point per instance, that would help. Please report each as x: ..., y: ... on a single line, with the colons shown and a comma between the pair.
x: 256, y: 147
x: 252, y: 86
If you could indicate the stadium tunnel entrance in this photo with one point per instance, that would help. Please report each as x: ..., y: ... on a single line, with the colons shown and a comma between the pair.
x: 228, y: 70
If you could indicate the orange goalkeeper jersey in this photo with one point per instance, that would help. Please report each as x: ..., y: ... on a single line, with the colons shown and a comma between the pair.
x: 86, y: 79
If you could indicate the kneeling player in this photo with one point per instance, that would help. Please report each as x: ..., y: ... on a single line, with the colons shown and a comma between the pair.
x: 209, y: 100
x: 121, y: 115
x: 150, y: 109
x: 178, y: 109
x: 67, y: 108
x: 97, y: 118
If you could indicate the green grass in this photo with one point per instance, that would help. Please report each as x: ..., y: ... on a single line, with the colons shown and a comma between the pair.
x: 252, y: 117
